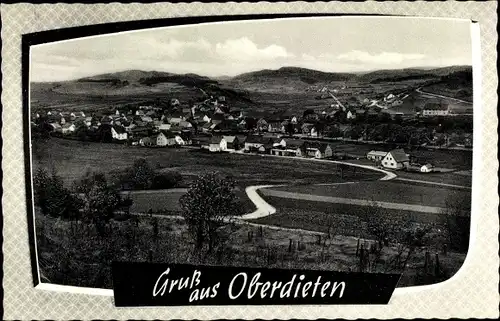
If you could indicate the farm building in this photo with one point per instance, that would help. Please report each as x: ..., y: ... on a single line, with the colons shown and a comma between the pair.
x: 376, y: 155
x: 396, y: 159
x: 435, y: 109
x: 427, y: 168
x: 165, y: 138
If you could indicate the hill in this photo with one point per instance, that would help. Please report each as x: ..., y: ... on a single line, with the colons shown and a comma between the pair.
x: 308, y: 76
x: 266, y: 88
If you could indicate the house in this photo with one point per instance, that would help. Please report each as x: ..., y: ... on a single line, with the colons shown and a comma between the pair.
x: 179, y: 140
x: 319, y: 151
x: 119, y: 133
x: 435, y: 109
x: 427, y: 168
x: 229, y: 143
x: 217, y: 118
x: 56, y: 127
x: 306, y: 128
x: 314, y: 132
x: 254, y: 142
x: 274, y: 126
x: 165, y: 138
x: 292, y: 148
x: 175, y: 120
x: 174, y: 102
x: 396, y: 159
x: 147, y: 119
x: 185, y: 124
x: 376, y: 155
x: 207, y: 118
x: 262, y: 125
x: 68, y: 128
x: 277, y: 142
x: 207, y: 127
x: 164, y: 127
x: 215, y: 144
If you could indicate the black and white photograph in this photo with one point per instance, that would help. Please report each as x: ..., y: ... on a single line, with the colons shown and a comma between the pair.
x: 322, y: 143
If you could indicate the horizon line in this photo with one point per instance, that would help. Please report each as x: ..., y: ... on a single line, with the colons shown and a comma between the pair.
x: 265, y: 69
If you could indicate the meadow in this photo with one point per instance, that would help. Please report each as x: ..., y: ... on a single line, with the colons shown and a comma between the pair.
x: 393, y: 191
x: 72, y: 158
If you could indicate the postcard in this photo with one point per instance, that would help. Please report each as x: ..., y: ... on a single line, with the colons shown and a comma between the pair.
x: 187, y: 162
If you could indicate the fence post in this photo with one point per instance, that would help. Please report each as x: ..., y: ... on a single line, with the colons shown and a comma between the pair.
x: 319, y: 239
x: 361, y: 258
x: 426, y: 262
x: 290, y: 246
x: 357, y: 248
x: 437, y: 271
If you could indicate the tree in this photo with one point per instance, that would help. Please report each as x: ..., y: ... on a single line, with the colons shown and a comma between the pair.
x: 52, y: 197
x: 99, y: 199
x: 141, y: 174
x: 208, y: 208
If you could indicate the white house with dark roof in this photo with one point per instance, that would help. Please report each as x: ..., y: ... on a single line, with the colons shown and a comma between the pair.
x: 165, y: 138
x: 396, y: 159
x: 229, y: 143
x: 427, y: 168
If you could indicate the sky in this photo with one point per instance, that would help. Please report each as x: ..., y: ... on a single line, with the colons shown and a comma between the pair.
x: 334, y: 44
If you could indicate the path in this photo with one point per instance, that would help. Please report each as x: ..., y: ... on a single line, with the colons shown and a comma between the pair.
x: 441, y: 96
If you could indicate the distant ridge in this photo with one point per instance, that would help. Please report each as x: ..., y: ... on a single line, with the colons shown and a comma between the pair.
x: 304, y: 74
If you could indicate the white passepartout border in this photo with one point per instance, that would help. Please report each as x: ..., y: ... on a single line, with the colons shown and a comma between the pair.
x: 477, y: 151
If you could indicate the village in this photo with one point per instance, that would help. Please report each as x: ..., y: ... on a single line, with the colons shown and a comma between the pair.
x: 213, y: 126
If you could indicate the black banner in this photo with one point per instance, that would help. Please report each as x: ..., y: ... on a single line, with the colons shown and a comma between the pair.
x: 147, y: 284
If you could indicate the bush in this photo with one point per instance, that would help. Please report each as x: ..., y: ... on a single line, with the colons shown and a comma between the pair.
x: 166, y: 180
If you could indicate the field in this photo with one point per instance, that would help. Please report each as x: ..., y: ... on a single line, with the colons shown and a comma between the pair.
x: 72, y: 158
x: 166, y: 202
x: 316, y: 216
x: 384, y: 191
x: 76, y: 255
